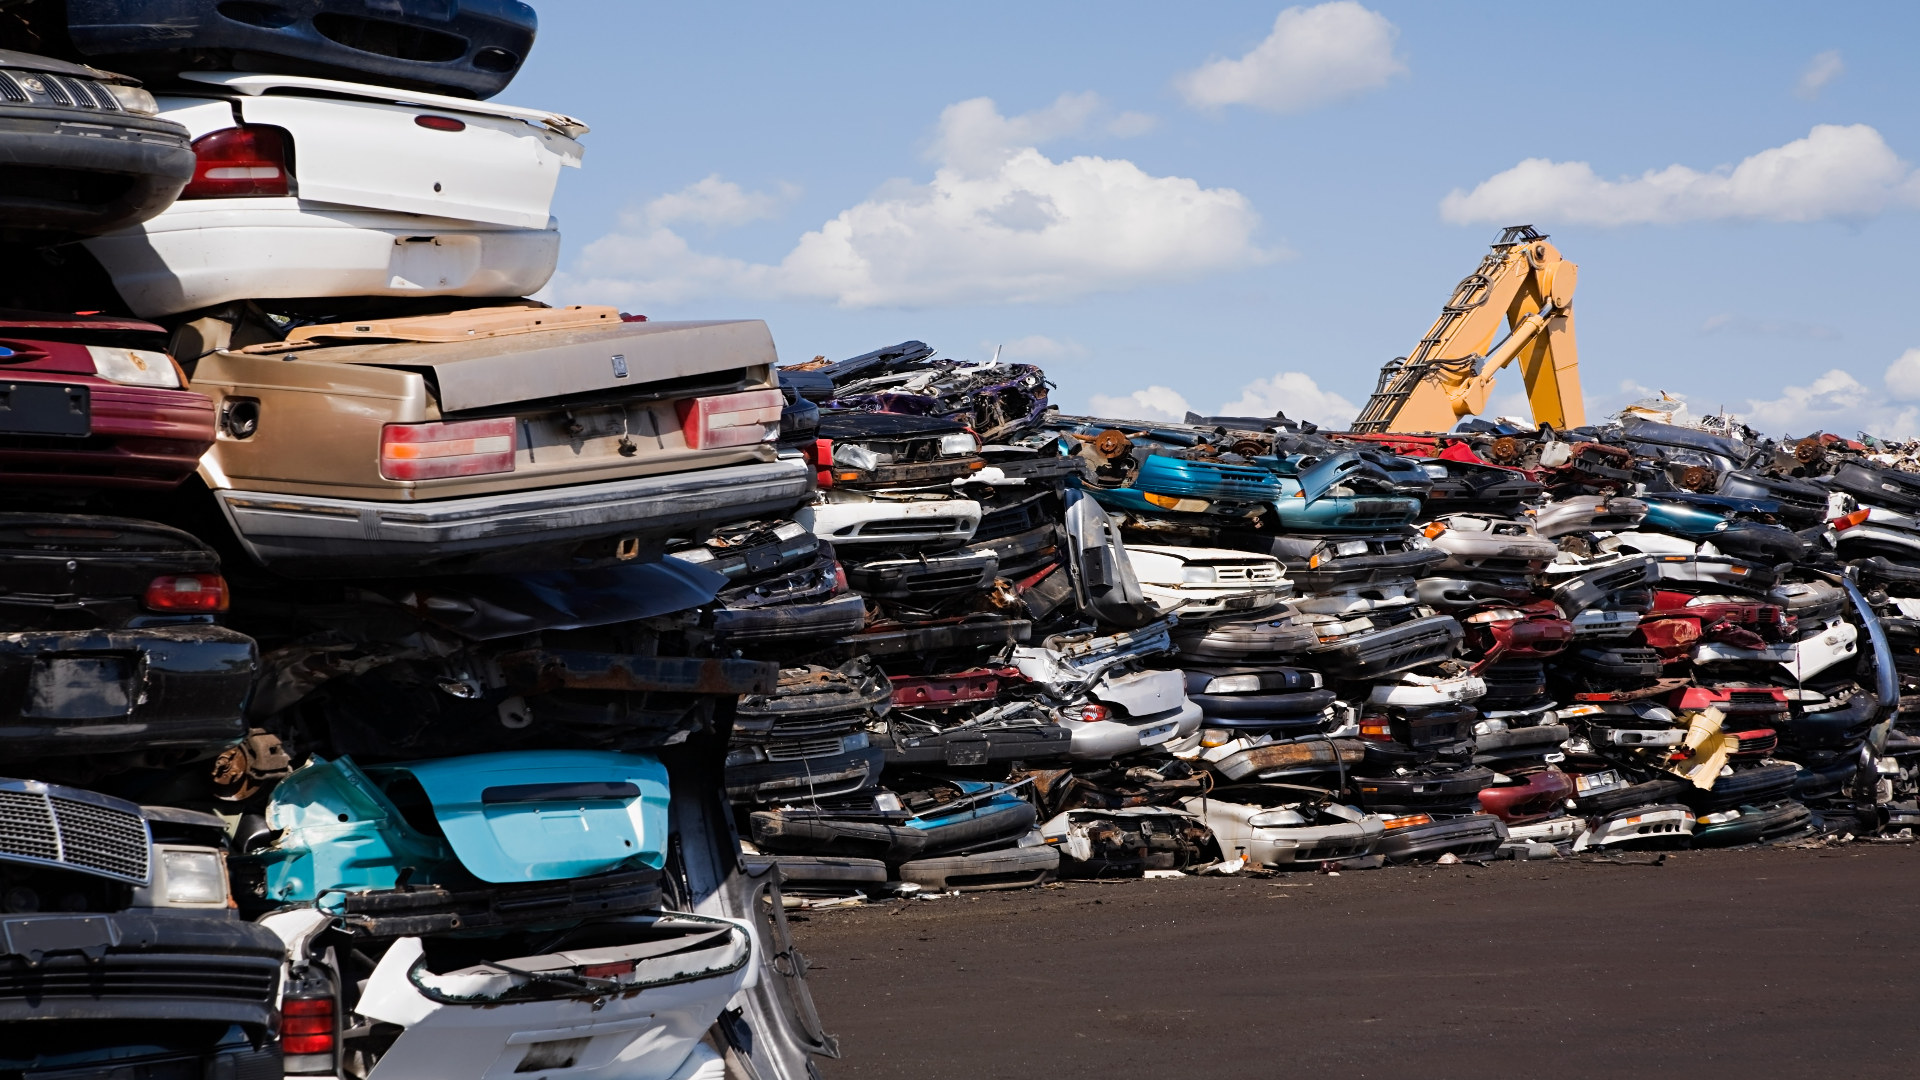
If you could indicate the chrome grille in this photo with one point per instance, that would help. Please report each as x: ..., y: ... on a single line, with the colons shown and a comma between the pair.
x: 40, y: 828
x: 910, y: 527
x: 1237, y: 574
x: 10, y: 90
x: 802, y: 749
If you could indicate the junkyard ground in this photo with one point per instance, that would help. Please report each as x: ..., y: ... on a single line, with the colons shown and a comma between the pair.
x: 1756, y: 963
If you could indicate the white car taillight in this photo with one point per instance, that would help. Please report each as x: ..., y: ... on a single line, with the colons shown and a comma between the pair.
x: 731, y: 419
x: 434, y: 450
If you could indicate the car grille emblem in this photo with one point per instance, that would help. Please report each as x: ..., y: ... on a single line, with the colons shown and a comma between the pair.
x: 619, y: 366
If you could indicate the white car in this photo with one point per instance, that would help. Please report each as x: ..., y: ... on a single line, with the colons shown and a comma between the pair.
x: 1203, y: 583
x: 629, y: 1009
x: 1288, y: 834
x: 308, y: 187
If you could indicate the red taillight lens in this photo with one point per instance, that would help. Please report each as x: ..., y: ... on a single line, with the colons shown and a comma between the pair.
x: 440, y: 123
x: 731, y: 419
x: 307, y: 1026
x: 187, y: 592
x: 240, y: 161
x: 431, y: 451
x: 820, y: 456
x: 608, y: 971
x: 1093, y: 714
x: 1848, y: 521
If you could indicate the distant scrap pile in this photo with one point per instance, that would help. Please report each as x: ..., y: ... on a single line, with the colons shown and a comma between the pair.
x: 1097, y: 647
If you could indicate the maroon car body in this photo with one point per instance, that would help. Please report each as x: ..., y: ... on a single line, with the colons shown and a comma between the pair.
x: 92, y: 401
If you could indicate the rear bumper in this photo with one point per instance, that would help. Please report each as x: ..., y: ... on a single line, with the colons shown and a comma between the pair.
x: 189, y: 968
x: 141, y: 438
x: 214, y: 251
x: 306, y: 535
x: 1473, y: 836
x: 107, y: 691
x: 1120, y: 735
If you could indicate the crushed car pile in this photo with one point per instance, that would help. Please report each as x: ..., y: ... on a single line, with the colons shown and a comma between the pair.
x: 355, y: 722
x: 400, y: 678
x: 1114, y: 646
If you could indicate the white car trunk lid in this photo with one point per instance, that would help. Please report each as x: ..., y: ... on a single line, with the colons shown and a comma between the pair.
x: 374, y: 155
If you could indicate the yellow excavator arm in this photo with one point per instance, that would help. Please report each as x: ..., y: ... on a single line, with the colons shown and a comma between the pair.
x: 1522, y: 282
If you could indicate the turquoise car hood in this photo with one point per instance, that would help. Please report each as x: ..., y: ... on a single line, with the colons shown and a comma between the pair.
x: 545, y: 815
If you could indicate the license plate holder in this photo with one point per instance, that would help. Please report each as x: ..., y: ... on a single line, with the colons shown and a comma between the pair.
x: 36, y: 408
x: 79, y: 688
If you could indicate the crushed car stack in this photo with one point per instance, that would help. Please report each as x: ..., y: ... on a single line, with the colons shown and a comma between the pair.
x: 356, y: 721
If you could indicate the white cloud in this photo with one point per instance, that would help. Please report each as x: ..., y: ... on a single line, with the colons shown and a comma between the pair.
x: 1903, y: 376
x: 1747, y: 326
x: 1153, y: 403
x: 1035, y: 347
x: 1314, y: 56
x: 1295, y: 394
x: 1291, y: 392
x: 1821, y: 70
x: 713, y: 201
x: 1835, y: 172
x: 1835, y: 402
x: 1000, y: 222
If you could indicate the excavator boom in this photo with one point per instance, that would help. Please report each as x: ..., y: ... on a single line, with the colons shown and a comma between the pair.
x: 1523, y: 286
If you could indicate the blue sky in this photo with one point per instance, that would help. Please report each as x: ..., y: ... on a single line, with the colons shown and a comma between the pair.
x: 1247, y: 204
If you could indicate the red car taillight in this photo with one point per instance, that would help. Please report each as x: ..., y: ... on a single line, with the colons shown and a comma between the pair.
x: 435, y: 450
x: 240, y: 161
x: 731, y: 419
x: 307, y: 1026
x: 201, y: 593
x: 1848, y: 521
x: 820, y: 456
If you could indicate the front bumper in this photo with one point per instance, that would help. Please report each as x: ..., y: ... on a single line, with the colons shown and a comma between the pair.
x: 138, y: 967
x: 214, y: 251
x: 65, y: 693
x: 774, y: 781
x: 1383, y: 652
x: 310, y: 536
x: 109, y: 169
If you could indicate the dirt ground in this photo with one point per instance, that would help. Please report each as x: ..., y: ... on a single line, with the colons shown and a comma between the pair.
x: 1748, y: 964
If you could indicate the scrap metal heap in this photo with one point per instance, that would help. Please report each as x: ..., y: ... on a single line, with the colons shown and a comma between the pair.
x: 402, y: 679
x: 1237, y: 642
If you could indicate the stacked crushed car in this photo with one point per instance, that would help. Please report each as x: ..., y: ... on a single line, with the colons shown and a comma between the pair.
x: 356, y: 722
x: 1120, y: 646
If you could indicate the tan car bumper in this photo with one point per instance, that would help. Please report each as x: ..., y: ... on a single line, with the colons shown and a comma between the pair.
x: 308, y: 536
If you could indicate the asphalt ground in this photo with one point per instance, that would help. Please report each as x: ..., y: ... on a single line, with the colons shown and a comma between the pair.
x: 1748, y: 964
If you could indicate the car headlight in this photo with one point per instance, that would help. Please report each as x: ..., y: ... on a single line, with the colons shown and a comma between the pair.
x: 955, y: 445
x: 1722, y: 816
x: 746, y: 755
x: 855, y: 741
x: 1277, y: 819
x: 1233, y: 684
x: 854, y: 456
x: 134, y: 367
x: 195, y: 877
x: 134, y: 100
x: 1199, y: 575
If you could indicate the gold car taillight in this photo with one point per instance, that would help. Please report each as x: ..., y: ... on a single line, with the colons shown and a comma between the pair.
x: 741, y: 419
x: 435, y: 450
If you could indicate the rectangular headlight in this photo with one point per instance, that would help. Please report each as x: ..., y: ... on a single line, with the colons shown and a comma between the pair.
x: 195, y: 877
